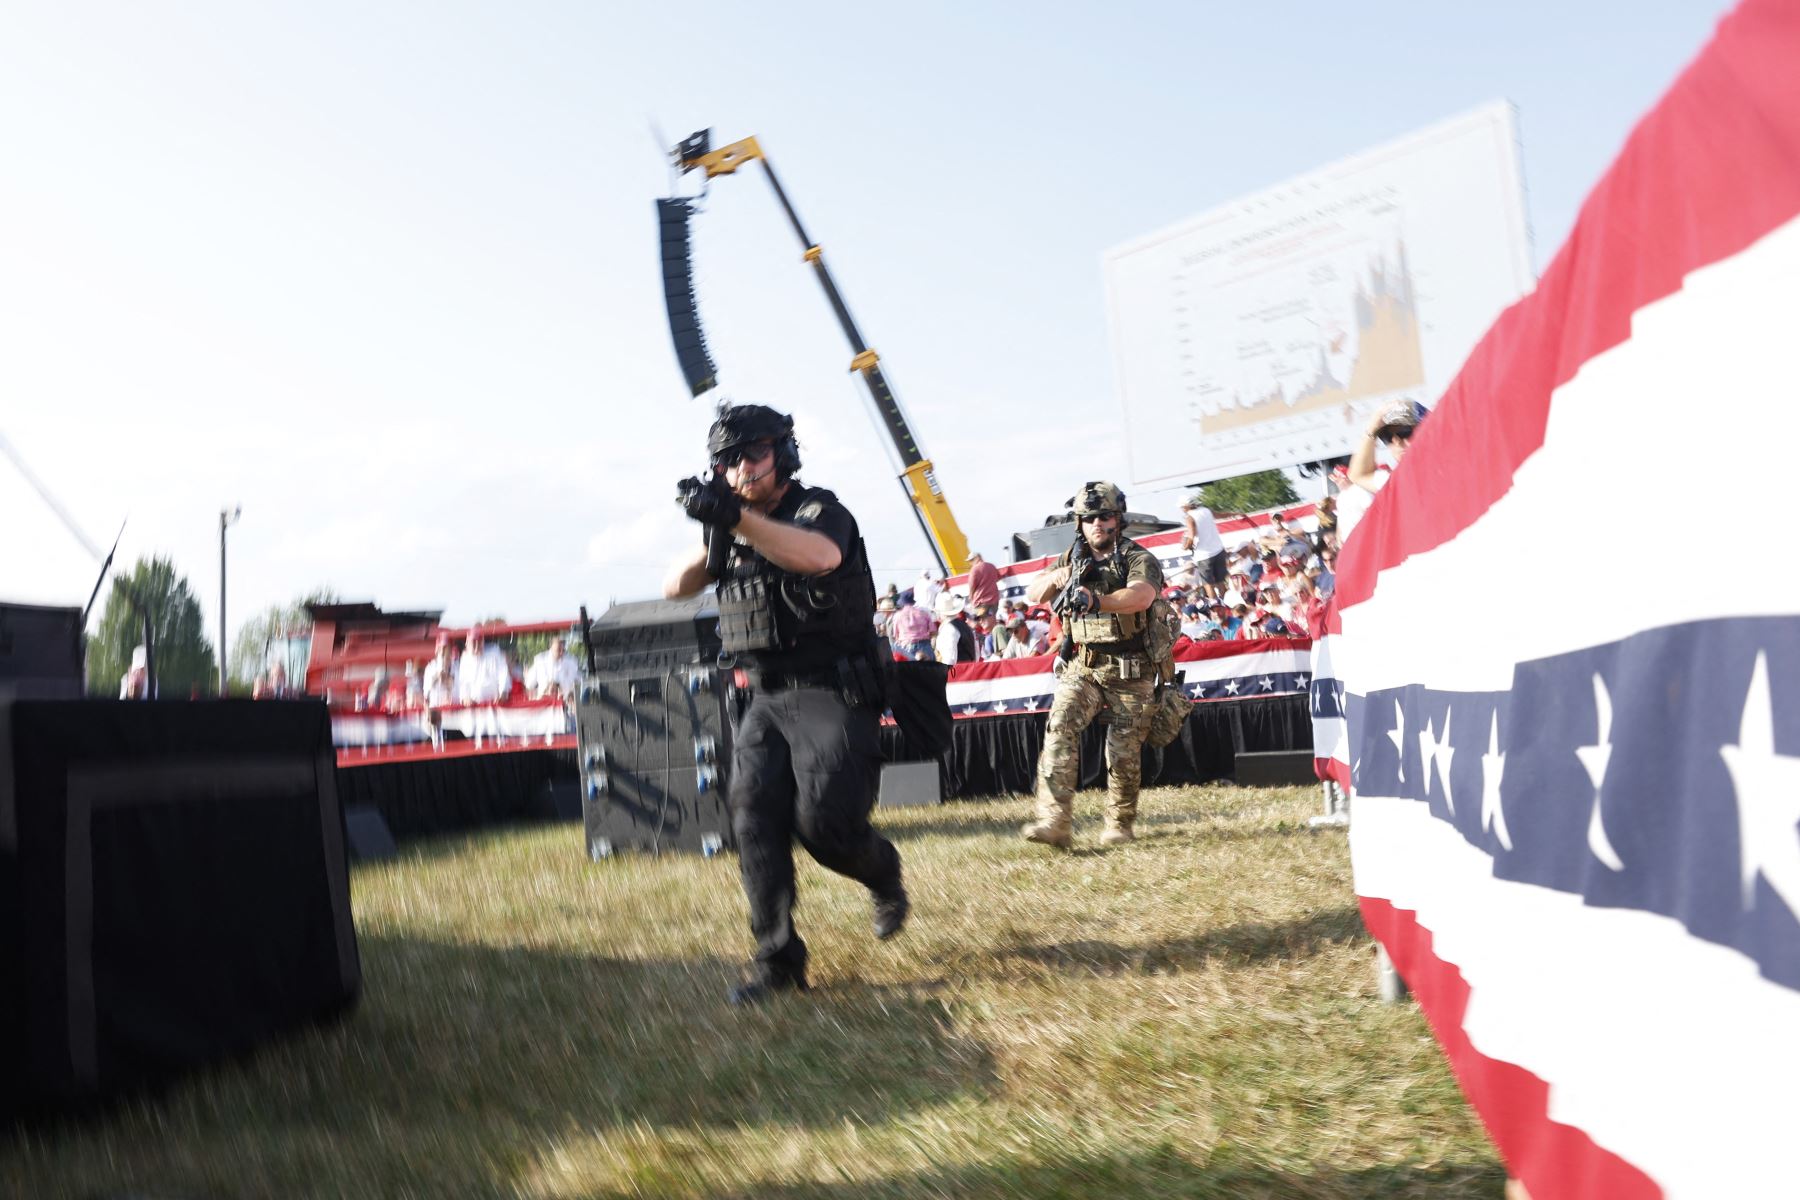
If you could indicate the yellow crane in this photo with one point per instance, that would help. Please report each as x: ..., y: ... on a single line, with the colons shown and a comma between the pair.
x: 917, y: 478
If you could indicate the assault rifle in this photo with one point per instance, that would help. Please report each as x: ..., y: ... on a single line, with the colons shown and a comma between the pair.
x: 1075, y: 600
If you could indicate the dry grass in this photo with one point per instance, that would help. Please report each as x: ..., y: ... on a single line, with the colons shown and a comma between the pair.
x: 1190, y: 1016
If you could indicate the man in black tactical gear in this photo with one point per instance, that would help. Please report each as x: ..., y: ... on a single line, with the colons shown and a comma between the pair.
x: 796, y: 606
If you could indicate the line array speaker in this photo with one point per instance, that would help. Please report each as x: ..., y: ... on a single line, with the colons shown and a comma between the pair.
x: 672, y: 218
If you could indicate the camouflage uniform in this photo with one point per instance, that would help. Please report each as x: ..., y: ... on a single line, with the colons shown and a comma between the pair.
x: 1097, y: 677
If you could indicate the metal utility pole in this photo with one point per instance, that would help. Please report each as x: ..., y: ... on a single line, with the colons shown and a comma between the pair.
x: 227, y: 518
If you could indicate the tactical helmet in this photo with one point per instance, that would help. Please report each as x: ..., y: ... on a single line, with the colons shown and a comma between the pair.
x: 1096, y: 498
x: 1400, y: 415
x: 741, y: 424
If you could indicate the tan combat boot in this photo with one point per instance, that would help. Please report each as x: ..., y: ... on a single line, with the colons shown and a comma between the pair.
x: 1121, y: 815
x: 1055, y: 819
x: 1118, y: 832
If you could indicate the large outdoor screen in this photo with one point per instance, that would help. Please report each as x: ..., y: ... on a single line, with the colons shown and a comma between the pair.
x: 1261, y: 334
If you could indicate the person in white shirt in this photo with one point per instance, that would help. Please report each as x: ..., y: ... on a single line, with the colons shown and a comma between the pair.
x: 482, y: 677
x: 1202, y: 537
x: 926, y: 591
x: 135, y: 683
x: 553, y: 673
x: 949, y: 643
x: 438, y: 685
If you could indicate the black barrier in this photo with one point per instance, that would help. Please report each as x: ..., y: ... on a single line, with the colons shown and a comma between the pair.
x: 423, y: 797
x: 173, y: 889
x: 994, y: 756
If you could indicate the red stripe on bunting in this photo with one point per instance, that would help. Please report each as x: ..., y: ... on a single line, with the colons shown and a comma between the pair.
x: 1551, y: 1159
x: 1712, y: 168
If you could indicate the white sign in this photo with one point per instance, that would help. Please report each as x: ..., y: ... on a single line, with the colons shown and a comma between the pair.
x: 1264, y: 332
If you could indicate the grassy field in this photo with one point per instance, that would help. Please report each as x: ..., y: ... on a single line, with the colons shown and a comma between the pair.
x: 1193, y: 1015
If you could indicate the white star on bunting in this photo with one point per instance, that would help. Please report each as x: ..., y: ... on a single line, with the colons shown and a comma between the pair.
x: 1768, y: 795
x: 1231, y: 686
x: 1493, y: 763
x: 1301, y: 681
x: 1595, y: 758
x: 1433, y: 749
x: 1268, y: 685
x: 1397, y: 735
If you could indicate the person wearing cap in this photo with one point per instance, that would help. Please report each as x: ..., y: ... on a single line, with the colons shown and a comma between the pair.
x: 1393, y: 426
x: 910, y: 630
x: 796, y: 604
x: 988, y: 634
x: 885, y: 608
x: 1019, y: 643
x: 1107, y: 623
x: 984, y: 582
x: 955, y: 641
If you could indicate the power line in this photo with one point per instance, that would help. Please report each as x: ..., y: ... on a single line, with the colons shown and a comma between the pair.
x: 38, y: 485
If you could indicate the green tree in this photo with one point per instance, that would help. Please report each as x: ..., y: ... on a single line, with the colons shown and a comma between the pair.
x: 184, y: 657
x: 1248, y: 493
x: 263, y: 636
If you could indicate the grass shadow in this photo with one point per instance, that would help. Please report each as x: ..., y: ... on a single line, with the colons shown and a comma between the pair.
x: 459, y: 1054
x: 1152, y: 1172
x: 1242, y: 944
x: 626, y: 1041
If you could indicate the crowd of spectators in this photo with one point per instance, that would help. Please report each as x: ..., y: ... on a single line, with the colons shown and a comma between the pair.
x: 478, y: 672
x: 1274, y: 584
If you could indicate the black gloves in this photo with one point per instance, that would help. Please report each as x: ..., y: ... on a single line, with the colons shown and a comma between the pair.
x: 1080, y: 602
x: 710, y: 503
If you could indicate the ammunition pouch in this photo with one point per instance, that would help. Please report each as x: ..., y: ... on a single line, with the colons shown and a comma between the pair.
x: 1127, y: 662
x: 1100, y: 629
x: 1171, y: 709
x: 747, y: 613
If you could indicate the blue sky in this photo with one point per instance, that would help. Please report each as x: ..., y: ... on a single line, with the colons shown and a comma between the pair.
x: 387, y: 274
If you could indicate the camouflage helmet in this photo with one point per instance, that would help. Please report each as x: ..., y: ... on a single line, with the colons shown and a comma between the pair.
x: 1096, y: 498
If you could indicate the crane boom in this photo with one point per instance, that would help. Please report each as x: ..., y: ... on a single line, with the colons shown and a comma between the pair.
x: 917, y: 477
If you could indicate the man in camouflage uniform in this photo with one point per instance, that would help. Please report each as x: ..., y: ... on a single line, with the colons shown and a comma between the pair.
x: 1103, y: 664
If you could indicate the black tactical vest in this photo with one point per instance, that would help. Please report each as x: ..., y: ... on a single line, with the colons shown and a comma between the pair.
x: 776, y: 616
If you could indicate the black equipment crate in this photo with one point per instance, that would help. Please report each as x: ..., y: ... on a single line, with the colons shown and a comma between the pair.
x: 655, y: 730
x: 655, y: 759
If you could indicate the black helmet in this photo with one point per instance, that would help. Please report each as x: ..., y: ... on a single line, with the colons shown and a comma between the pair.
x: 742, y: 424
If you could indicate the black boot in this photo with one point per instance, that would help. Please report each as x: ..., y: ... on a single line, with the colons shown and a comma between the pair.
x: 890, y: 914
x: 760, y: 991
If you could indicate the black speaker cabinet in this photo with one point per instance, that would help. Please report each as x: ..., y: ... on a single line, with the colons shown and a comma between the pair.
x: 654, y: 758
x: 173, y: 889
x: 40, y: 653
x: 1273, y: 768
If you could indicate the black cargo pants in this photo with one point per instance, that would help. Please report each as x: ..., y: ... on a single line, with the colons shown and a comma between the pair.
x: 805, y: 765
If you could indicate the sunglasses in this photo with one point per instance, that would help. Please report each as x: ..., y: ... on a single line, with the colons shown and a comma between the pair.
x: 1397, y: 435
x: 753, y: 452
